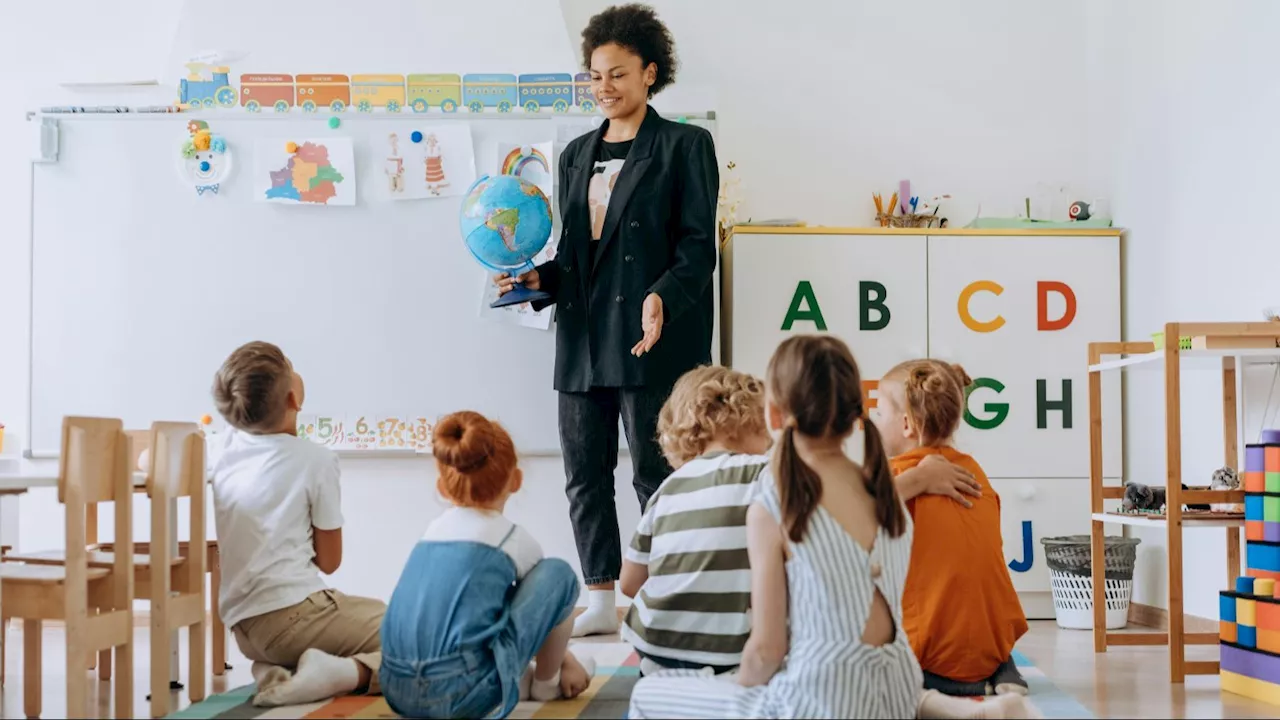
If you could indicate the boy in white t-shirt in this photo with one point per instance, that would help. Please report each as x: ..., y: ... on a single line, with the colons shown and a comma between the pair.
x: 278, y: 513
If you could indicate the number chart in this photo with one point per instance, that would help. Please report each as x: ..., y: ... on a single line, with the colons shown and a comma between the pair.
x: 368, y: 432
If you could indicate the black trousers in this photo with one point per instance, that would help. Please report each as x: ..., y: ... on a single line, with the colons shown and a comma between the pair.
x: 589, y: 439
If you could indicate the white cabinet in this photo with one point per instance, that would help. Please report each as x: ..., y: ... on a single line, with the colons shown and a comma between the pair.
x: 1018, y: 313
x: 1016, y: 309
x: 870, y: 291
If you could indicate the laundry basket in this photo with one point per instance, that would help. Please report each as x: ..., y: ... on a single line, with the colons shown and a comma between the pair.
x: 1070, y: 575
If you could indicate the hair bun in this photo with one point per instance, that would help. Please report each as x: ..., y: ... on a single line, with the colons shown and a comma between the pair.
x: 463, y: 441
x: 962, y: 377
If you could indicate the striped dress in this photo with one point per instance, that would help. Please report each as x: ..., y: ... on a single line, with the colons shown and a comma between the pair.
x: 831, y: 581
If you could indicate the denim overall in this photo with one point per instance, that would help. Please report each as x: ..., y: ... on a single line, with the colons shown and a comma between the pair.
x: 460, y: 630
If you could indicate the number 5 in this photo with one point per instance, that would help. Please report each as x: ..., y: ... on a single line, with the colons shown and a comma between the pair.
x: 325, y: 427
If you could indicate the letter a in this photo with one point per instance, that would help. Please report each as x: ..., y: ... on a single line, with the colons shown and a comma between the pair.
x: 804, y: 294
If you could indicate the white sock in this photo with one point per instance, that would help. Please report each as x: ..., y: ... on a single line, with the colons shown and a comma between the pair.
x: 320, y: 676
x: 544, y: 690
x: 267, y: 676
x: 601, y: 615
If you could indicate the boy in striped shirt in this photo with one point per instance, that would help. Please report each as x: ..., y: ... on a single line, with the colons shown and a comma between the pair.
x: 687, y: 566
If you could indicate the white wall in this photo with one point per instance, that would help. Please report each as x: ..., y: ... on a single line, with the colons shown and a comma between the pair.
x: 1190, y: 148
x: 818, y: 103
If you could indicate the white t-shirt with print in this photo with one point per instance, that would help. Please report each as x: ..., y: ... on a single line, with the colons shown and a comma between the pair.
x: 268, y: 493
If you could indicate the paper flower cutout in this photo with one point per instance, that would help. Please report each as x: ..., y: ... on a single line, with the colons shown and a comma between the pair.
x: 219, y: 144
x: 203, y: 139
x: 188, y: 150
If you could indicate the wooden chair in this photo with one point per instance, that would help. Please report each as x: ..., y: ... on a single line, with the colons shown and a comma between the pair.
x: 141, y: 441
x: 93, y: 469
x: 178, y: 596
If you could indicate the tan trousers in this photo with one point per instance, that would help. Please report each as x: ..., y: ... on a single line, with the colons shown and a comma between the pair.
x: 327, y: 620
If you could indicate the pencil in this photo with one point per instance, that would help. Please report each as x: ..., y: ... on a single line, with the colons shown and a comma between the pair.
x: 893, y: 204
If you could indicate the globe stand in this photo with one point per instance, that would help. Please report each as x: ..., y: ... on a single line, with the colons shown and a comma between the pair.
x: 520, y: 295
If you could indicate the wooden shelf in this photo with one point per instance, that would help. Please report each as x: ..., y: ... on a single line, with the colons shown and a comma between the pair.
x: 1170, y: 360
x: 1245, y: 356
x: 1157, y: 521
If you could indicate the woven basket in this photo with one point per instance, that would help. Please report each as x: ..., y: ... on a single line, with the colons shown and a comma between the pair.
x: 910, y: 220
x: 1071, y: 554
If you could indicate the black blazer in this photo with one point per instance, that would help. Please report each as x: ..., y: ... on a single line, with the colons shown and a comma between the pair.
x: 659, y: 237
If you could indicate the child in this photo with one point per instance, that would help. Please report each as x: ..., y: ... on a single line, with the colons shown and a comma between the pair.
x: 687, y: 564
x: 829, y: 544
x: 278, y: 513
x: 476, y: 600
x: 959, y: 607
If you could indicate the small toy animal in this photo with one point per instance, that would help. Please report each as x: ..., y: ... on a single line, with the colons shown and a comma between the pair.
x: 1225, y: 478
x: 1079, y: 210
x: 1138, y: 496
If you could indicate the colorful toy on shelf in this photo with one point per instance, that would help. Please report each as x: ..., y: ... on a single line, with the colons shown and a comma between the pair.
x: 441, y: 90
x: 1262, y: 497
x: 1249, y: 638
x: 446, y: 92
x: 553, y: 90
x: 205, y: 85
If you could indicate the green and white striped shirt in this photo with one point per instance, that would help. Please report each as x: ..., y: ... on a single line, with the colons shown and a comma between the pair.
x: 693, y: 537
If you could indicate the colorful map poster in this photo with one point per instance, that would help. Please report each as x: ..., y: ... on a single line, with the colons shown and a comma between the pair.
x: 307, y: 171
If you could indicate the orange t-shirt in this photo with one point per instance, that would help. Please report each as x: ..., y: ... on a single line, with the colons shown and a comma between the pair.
x: 959, y: 608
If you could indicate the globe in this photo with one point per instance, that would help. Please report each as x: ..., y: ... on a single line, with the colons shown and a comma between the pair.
x: 506, y: 221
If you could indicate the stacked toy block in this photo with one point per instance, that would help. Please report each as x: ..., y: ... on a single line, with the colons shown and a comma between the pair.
x: 1262, y: 499
x: 1249, y: 622
x: 1249, y: 634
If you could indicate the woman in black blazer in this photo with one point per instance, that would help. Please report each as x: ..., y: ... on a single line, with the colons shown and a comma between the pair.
x: 631, y: 280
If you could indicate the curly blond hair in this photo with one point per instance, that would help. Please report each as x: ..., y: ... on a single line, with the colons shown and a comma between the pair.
x: 933, y: 394
x: 707, y: 404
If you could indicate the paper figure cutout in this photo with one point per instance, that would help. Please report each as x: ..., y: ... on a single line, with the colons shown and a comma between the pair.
x: 310, y: 172
x: 205, y: 158
x: 431, y: 161
x: 395, y: 165
x: 435, y: 166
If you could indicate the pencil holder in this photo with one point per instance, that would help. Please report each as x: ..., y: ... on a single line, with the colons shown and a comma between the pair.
x: 910, y: 220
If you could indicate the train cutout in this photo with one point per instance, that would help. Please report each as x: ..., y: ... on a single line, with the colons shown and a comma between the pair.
x: 418, y: 93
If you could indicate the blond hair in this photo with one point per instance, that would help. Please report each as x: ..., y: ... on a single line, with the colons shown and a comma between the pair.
x: 706, y: 404
x: 251, y: 389
x: 933, y: 397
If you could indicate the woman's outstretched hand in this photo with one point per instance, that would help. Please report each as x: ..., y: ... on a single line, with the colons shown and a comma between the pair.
x: 651, y: 323
x: 506, y: 283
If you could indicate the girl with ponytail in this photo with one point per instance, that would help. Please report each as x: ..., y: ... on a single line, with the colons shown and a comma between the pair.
x: 959, y: 606
x: 829, y: 544
x: 477, y: 602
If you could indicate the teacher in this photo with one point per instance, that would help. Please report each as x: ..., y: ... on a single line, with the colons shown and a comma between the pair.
x: 632, y: 282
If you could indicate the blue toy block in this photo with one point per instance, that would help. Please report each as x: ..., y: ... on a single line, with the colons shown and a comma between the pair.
x: 1262, y: 556
x: 1226, y: 607
x: 1253, y: 507
x: 1247, y: 636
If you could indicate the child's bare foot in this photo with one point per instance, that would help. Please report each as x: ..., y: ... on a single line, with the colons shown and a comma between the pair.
x: 575, y: 675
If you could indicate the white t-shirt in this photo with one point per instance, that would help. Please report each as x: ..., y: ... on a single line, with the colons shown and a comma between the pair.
x: 489, y: 528
x: 268, y: 492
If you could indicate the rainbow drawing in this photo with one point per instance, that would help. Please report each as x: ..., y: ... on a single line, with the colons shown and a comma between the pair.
x: 516, y: 161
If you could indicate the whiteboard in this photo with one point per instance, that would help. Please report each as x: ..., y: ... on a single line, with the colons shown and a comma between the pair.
x: 140, y: 288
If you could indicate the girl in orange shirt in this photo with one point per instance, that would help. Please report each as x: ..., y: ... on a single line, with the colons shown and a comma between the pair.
x: 960, y: 610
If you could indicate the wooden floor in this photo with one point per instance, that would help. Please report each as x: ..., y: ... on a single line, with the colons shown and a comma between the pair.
x: 1129, y: 682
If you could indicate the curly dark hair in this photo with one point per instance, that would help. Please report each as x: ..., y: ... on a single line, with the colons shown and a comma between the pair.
x: 637, y: 28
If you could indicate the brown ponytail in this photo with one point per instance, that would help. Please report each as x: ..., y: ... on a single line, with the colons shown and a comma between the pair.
x: 799, y: 489
x: 815, y: 380
x: 879, y: 480
x: 474, y: 458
